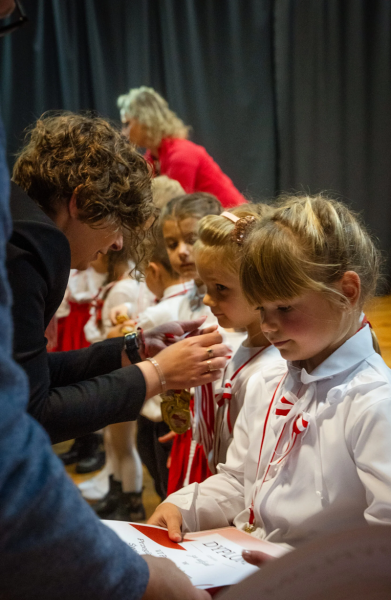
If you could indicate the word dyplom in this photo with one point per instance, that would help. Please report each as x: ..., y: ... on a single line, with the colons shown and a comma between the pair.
x: 225, y: 552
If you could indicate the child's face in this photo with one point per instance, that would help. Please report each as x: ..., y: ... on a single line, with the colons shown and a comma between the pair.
x: 180, y: 237
x: 307, y: 328
x: 224, y: 295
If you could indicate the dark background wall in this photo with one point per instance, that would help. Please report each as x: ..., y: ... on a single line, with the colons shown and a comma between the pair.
x: 285, y: 94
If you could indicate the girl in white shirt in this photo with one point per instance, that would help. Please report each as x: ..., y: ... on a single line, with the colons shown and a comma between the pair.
x: 218, y: 254
x: 122, y: 476
x: 312, y: 445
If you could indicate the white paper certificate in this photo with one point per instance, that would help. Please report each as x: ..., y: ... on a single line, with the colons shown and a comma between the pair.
x: 209, y: 561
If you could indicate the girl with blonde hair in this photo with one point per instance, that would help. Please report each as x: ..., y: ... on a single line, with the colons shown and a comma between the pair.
x: 218, y: 254
x: 312, y: 444
x: 150, y: 123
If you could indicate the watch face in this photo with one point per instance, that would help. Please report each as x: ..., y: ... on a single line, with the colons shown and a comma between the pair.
x: 131, y: 347
x: 132, y: 340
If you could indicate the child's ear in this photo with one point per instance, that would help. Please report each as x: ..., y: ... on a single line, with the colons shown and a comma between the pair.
x: 154, y: 269
x: 350, y: 285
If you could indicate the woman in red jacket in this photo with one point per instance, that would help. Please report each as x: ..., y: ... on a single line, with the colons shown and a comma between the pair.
x: 149, y: 123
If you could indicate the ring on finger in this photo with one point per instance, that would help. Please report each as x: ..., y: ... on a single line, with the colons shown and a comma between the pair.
x: 210, y: 352
x: 209, y: 363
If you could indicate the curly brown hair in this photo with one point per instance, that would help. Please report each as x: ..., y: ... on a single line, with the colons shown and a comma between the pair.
x: 66, y: 153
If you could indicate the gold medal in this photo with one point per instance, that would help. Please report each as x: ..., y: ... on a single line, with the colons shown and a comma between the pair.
x: 249, y: 528
x: 121, y: 319
x: 176, y: 410
x: 127, y: 329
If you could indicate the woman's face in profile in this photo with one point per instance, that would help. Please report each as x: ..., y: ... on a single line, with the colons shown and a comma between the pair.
x: 136, y: 132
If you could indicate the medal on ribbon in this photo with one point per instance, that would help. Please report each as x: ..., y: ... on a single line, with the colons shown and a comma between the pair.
x: 176, y: 410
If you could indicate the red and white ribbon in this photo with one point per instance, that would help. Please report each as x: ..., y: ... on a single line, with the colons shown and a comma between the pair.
x: 205, y: 406
x: 204, y: 409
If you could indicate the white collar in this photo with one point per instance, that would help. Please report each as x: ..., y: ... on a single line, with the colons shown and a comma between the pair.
x: 351, y: 353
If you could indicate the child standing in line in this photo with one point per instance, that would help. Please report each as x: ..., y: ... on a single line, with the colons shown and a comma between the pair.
x: 179, y: 221
x: 218, y: 254
x: 166, y: 285
x: 122, y: 478
x: 312, y: 444
x: 181, y: 301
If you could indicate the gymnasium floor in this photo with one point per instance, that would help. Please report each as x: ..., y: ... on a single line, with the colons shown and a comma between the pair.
x: 379, y: 314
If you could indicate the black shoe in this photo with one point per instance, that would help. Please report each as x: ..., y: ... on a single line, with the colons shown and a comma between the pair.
x: 81, y: 448
x: 109, y: 503
x: 92, y: 463
x: 130, y: 508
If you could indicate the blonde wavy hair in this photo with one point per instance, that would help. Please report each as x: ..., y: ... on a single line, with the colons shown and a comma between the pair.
x: 216, y: 234
x: 152, y: 111
x: 308, y: 243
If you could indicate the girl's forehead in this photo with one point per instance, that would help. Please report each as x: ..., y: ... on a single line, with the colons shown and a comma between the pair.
x: 180, y: 227
x: 213, y: 265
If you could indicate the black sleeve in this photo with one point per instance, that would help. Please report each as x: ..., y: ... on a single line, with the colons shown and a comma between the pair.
x: 74, y: 410
x: 95, y: 398
x: 77, y: 365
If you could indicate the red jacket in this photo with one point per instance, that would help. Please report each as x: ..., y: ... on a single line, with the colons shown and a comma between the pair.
x: 195, y: 170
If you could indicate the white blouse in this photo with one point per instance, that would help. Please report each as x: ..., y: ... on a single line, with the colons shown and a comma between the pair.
x: 244, y: 364
x: 176, y: 305
x: 338, y: 472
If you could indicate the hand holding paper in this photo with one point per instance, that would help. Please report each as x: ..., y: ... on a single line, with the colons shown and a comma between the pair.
x: 169, y: 516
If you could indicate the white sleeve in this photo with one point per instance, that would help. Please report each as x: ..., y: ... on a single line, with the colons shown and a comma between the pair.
x: 370, y: 440
x: 146, y: 320
x: 216, y: 501
x: 92, y: 331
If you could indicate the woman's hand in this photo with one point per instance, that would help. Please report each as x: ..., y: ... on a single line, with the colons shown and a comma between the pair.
x: 186, y: 364
x: 160, y: 337
x: 169, y: 516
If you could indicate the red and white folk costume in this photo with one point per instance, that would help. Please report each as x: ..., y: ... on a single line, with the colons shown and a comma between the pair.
x: 181, y: 302
x: 338, y: 470
x: 230, y: 397
x: 74, y: 311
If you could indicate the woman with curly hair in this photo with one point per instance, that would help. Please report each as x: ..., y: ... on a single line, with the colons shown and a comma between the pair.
x: 150, y: 123
x: 78, y: 190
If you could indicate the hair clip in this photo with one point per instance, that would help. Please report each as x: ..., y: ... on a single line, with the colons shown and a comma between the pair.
x: 230, y: 216
x: 241, y: 226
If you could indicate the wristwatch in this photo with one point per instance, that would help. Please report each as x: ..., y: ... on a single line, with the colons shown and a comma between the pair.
x: 131, y: 347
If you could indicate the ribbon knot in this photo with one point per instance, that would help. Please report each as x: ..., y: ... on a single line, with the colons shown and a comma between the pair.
x: 301, y: 423
x: 294, y: 421
x: 224, y: 394
x: 227, y: 394
x: 283, y: 407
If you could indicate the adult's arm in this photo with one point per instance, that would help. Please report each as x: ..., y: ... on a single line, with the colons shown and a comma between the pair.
x: 52, y: 546
x: 70, y: 393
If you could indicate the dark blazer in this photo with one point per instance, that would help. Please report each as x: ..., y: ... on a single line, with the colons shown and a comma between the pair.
x: 71, y: 393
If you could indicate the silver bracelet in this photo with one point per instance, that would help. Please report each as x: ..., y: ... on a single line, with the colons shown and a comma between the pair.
x: 163, y: 382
